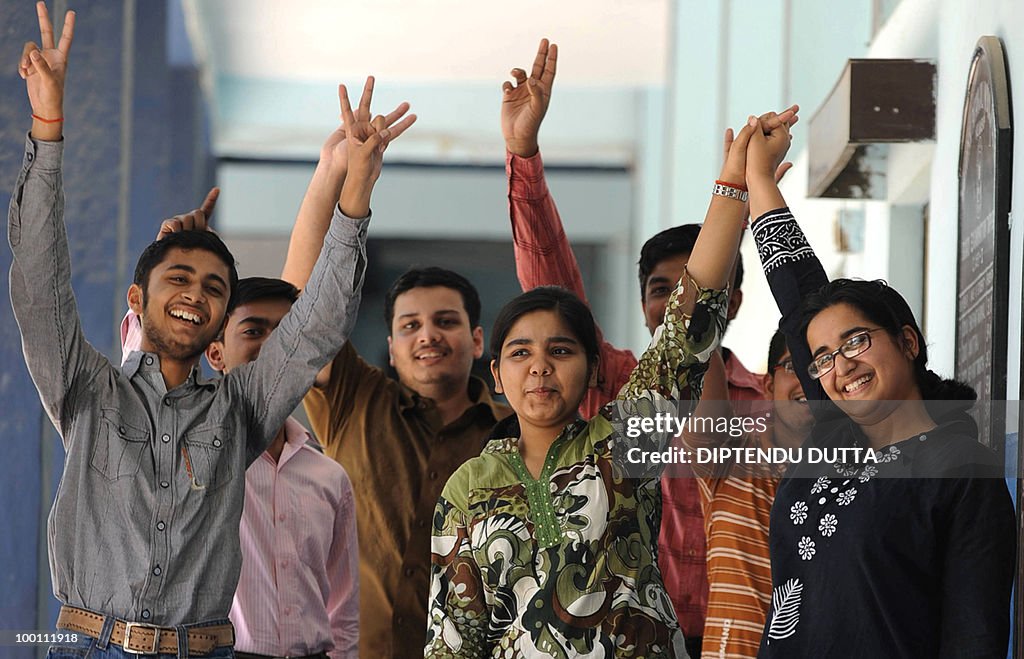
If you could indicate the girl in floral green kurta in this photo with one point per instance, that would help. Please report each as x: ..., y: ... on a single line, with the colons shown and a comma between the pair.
x: 541, y: 547
x: 564, y: 564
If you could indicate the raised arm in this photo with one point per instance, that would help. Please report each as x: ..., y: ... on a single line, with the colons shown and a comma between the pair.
x: 319, y: 324
x: 56, y: 352
x: 325, y: 187
x: 543, y: 254
x: 790, y: 265
x: 324, y: 190
x: 695, y: 316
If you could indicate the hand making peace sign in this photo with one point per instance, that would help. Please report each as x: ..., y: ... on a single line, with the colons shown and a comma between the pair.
x: 44, y: 70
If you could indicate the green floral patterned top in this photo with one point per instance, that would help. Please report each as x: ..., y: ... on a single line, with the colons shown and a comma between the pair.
x: 566, y: 565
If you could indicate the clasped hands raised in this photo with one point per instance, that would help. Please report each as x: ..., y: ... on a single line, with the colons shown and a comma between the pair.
x: 755, y: 154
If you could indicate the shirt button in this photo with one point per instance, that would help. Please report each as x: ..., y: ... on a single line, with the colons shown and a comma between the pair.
x: 160, y: 526
x: 281, y: 517
x: 409, y: 571
x: 216, y: 442
x: 422, y: 523
x: 149, y: 361
x: 287, y: 610
x: 29, y: 157
x: 164, y: 484
x: 166, y: 438
x: 157, y: 570
x: 120, y: 429
x: 399, y: 621
x: 167, y: 402
x: 433, y: 475
x: 284, y: 564
x: 145, y: 614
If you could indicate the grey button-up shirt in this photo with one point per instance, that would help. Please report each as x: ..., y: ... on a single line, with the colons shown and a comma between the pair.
x: 145, y: 524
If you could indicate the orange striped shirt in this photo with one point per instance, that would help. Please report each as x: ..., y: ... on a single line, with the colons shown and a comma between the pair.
x: 737, y: 503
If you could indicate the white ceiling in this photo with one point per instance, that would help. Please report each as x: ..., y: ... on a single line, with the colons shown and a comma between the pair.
x: 603, y: 42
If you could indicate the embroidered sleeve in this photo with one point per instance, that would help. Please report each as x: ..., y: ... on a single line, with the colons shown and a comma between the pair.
x: 793, y: 272
x: 780, y: 240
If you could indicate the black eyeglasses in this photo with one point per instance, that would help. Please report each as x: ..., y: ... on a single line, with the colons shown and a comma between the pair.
x: 786, y: 365
x: 852, y: 347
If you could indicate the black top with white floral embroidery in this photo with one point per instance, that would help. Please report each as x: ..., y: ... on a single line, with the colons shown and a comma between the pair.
x: 910, y: 556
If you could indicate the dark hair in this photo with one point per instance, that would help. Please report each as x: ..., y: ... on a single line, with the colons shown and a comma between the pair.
x: 251, y: 289
x: 674, y: 242
x: 776, y: 349
x: 570, y: 308
x: 156, y: 251
x: 429, y: 278
x: 883, y: 305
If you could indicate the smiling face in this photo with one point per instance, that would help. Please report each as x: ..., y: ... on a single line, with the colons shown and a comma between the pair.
x: 788, y: 398
x: 870, y: 385
x: 183, y: 307
x: 431, y: 342
x: 543, y: 370
x: 245, y: 332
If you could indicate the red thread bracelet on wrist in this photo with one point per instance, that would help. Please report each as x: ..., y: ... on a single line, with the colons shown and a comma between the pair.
x: 47, y: 121
x: 738, y: 186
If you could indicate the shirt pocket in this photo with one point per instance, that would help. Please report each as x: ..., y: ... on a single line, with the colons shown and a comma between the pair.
x: 209, y: 456
x: 119, y: 446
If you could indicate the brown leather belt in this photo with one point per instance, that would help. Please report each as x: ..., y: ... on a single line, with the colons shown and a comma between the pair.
x: 139, y: 638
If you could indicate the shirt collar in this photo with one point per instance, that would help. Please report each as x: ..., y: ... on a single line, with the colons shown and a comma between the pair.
x: 479, y: 397
x: 294, y: 433
x: 506, y: 434
x: 138, y: 360
x: 738, y: 375
x: 296, y: 438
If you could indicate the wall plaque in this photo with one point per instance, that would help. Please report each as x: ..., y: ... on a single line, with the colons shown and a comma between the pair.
x: 984, y: 236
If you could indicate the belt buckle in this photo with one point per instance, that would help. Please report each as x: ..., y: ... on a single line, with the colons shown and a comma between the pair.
x: 128, y: 635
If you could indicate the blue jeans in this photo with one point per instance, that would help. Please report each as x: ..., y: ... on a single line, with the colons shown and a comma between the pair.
x: 92, y: 648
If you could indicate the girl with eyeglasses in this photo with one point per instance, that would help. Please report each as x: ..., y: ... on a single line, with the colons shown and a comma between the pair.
x: 908, y: 556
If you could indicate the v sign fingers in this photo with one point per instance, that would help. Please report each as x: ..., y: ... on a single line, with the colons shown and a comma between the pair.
x: 44, y: 70
x: 363, y: 113
x: 347, y: 116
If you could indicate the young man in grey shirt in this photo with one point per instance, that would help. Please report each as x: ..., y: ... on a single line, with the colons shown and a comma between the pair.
x: 143, y: 535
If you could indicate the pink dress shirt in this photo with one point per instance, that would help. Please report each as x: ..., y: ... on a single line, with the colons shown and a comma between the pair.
x: 298, y: 592
x: 545, y: 257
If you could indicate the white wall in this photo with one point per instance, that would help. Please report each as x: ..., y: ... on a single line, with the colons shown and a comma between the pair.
x: 596, y: 206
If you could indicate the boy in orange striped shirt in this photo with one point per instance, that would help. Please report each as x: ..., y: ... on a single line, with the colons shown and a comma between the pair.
x: 737, y: 501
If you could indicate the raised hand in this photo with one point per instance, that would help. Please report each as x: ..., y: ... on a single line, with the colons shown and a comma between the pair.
x: 767, y: 149
x: 197, y: 220
x: 734, y: 158
x: 525, y: 103
x: 44, y: 71
x: 334, y: 151
x: 366, y: 140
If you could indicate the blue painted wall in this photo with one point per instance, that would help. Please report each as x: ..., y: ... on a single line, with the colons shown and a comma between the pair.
x: 137, y: 152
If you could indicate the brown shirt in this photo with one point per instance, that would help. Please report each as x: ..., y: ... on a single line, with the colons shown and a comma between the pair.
x: 399, y: 457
